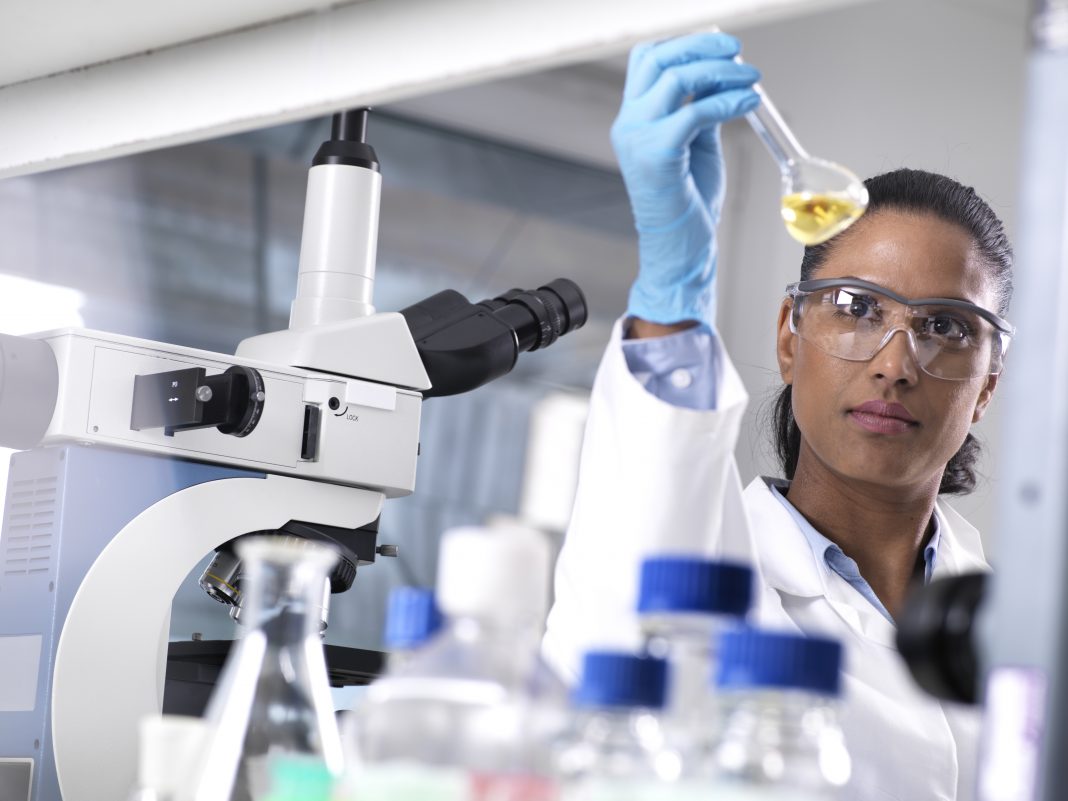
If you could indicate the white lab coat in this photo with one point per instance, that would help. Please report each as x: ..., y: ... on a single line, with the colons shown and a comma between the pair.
x: 656, y: 478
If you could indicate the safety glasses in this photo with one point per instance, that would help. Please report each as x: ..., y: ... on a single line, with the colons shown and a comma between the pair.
x: 853, y: 319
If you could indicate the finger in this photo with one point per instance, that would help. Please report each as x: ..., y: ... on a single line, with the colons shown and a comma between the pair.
x: 682, y: 127
x: 646, y: 65
x: 693, y: 81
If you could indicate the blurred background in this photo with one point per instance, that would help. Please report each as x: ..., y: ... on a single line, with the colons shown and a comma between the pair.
x: 512, y: 183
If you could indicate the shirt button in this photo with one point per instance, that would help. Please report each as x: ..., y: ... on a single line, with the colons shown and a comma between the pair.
x: 680, y: 378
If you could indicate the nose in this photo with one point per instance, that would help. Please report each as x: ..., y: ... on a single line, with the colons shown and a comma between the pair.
x: 896, y: 361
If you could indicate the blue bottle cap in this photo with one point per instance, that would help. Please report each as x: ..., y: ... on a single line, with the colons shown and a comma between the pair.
x: 619, y: 679
x: 753, y: 659
x: 412, y: 617
x: 691, y: 584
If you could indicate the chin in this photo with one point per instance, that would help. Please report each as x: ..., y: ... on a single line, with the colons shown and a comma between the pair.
x: 884, y: 473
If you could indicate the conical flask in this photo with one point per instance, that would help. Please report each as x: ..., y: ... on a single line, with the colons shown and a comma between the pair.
x: 273, y: 697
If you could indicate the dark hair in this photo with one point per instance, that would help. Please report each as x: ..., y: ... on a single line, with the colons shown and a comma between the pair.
x: 924, y: 193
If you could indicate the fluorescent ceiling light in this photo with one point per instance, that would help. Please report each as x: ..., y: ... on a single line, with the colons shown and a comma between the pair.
x: 29, y: 306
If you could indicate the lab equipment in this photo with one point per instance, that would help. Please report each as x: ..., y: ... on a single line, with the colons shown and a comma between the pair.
x: 781, y: 739
x: 148, y: 456
x: 852, y: 319
x: 819, y: 198
x: 672, y: 166
x: 474, y: 713
x: 412, y: 618
x: 273, y: 699
x: 684, y: 603
x: 619, y: 749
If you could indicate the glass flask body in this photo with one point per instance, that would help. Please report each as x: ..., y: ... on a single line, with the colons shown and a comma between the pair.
x: 819, y: 198
x: 273, y: 698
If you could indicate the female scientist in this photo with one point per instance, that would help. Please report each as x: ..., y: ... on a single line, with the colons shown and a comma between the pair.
x: 889, y: 348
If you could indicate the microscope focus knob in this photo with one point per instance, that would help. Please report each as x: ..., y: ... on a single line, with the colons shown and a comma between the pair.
x: 244, y: 401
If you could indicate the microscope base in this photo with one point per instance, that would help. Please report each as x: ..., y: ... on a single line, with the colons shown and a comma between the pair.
x: 96, y: 542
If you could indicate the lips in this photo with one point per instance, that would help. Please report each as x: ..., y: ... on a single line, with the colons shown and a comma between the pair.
x: 881, y: 417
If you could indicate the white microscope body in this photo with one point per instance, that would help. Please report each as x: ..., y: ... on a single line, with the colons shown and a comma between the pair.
x: 147, y: 456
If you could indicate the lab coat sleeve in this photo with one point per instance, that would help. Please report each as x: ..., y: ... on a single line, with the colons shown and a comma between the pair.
x: 653, y: 479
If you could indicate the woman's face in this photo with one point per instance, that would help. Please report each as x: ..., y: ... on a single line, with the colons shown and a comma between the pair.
x: 917, y: 256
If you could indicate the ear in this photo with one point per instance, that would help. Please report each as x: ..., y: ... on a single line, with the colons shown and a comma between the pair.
x: 984, y: 398
x: 786, y: 342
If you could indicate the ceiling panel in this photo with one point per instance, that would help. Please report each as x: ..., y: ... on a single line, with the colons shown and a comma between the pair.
x: 278, y: 70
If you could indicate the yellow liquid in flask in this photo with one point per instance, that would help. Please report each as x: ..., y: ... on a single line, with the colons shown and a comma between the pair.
x: 812, y: 218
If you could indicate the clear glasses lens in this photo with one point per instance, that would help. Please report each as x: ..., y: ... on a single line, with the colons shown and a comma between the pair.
x: 949, y: 342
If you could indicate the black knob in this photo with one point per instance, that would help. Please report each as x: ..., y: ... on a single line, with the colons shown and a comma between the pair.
x: 183, y: 400
x: 242, y: 406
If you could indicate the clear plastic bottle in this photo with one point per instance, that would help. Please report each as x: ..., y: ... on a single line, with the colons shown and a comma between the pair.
x: 474, y: 713
x: 618, y: 748
x: 273, y: 697
x: 781, y: 740
x: 412, y: 618
x: 684, y: 604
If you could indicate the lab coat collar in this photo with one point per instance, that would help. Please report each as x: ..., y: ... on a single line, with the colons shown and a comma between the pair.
x: 961, y: 549
x: 789, y: 563
x: 786, y: 557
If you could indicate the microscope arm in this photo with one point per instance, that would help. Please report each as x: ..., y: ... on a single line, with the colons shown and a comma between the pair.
x: 105, y: 681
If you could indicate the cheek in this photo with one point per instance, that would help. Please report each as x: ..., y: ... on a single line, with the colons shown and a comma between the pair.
x: 956, y: 405
x: 818, y: 383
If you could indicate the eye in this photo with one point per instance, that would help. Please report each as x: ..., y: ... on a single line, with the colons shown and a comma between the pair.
x: 951, y: 329
x: 860, y: 307
x: 857, y: 307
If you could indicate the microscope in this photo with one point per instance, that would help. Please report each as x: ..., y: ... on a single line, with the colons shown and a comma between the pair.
x: 138, y: 459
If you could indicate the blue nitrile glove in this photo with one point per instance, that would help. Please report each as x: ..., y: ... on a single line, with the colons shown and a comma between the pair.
x: 666, y: 138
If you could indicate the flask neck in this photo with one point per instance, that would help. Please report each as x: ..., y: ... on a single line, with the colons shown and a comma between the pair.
x: 287, y: 601
x: 776, y: 136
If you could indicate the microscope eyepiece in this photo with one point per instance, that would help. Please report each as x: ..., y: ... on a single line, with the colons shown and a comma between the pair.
x: 541, y: 316
x: 464, y: 345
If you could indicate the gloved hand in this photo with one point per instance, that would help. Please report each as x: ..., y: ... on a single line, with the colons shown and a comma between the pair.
x: 667, y: 140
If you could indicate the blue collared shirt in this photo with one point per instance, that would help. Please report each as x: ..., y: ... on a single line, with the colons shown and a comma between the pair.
x: 683, y: 369
x: 835, y: 558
